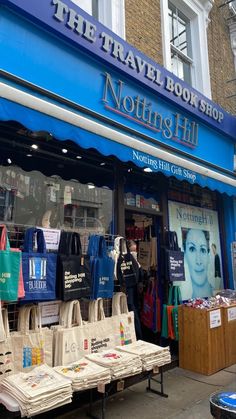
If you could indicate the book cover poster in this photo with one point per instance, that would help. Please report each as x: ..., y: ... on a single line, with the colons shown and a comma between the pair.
x: 198, y: 236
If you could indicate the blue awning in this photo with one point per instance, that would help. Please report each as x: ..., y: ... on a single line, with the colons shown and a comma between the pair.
x: 136, y: 153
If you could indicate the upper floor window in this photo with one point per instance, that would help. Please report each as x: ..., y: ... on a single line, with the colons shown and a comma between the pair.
x: 185, y: 51
x: 180, y: 43
x: 109, y: 12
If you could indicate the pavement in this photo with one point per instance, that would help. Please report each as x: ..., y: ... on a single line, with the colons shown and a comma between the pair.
x: 188, y: 397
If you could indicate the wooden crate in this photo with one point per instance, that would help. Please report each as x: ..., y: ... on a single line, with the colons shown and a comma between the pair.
x: 201, y: 346
x: 229, y: 324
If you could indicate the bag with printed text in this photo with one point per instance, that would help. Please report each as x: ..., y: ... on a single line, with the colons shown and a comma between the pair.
x: 39, y: 268
x: 73, y: 268
x: 31, y: 345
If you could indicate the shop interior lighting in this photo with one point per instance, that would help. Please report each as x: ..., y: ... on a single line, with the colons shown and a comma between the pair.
x: 102, y: 164
x: 34, y: 146
x: 147, y: 169
x: 78, y: 157
x: 64, y: 150
x: 91, y: 186
x: 9, y: 161
x: 28, y: 155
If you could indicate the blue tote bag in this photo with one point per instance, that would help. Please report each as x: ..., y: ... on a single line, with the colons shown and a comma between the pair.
x: 39, y: 268
x: 102, y: 268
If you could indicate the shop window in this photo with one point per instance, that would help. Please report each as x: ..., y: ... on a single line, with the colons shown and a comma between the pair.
x: 33, y: 199
x: 109, y: 12
x: 184, y: 26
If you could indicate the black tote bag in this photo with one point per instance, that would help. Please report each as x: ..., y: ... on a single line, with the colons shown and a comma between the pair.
x: 73, y: 268
x: 126, y: 267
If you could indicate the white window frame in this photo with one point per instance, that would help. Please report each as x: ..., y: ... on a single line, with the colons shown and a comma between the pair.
x: 197, y: 12
x: 112, y: 14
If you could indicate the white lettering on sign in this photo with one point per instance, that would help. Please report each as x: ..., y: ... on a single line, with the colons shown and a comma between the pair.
x: 126, y: 56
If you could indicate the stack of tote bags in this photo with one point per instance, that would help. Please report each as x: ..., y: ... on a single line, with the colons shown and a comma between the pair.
x: 151, y: 355
x: 40, y: 390
x: 74, y: 342
x: 85, y: 374
x: 121, y: 364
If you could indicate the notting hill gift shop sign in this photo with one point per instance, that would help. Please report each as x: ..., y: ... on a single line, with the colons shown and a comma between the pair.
x: 69, y: 22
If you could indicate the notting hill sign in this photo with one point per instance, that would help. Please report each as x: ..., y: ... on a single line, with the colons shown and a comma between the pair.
x: 69, y: 22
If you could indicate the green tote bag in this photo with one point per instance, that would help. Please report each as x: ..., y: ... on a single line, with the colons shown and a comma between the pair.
x: 9, y: 272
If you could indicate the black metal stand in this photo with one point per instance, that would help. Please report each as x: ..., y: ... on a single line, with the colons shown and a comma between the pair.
x: 161, y: 382
x: 110, y: 389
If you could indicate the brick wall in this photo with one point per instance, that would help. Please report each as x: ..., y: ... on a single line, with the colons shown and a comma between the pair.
x: 221, y: 60
x: 143, y: 30
x: 143, y: 27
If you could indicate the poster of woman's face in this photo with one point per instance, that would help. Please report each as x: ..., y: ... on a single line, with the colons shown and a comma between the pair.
x: 198, y: 236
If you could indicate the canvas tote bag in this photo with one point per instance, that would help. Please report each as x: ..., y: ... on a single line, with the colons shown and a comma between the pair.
x: 122, y: 320
x: 6, y: 348
x: 10, y: 268
x: 73, y: 268
x: 39, y: 268
x: 31, y: 347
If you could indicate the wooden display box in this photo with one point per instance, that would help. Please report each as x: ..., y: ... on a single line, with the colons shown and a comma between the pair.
x: 201, y: 340
x: 229, y: 325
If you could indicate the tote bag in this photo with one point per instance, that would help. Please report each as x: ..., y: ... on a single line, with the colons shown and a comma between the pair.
x: 39, y: 268
x: 31, y: 347
x: 6, y: 347
x: 170, y: 314
x: 126, y: 267
x: 10, y: 268
x: 3, y: 241
x: 102, y: 268
x: 73, y: 268
x: 122, y: 320
x: 147, y: 313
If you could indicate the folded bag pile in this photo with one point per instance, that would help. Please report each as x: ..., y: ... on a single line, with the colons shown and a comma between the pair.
x: 151, y: 355
x: 121, y: 364
x: 85, y: 374
x: 38, y: 391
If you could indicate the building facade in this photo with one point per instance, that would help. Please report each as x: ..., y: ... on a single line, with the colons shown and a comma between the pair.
x: 120, y: 130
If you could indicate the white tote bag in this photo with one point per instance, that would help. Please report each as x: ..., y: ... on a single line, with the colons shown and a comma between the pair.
x: 79, y: 340
x: 31, y: 347
x: 122, y: 320
x: 6, y: 348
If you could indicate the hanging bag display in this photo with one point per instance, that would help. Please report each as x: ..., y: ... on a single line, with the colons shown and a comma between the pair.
x: 102, y: 268
x: 10, y: 268
x: 73, y: 268
x: 170, y: 314
x: 39, y: 268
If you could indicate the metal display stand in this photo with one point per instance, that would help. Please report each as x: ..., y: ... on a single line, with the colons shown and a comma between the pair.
x: 120, y: 385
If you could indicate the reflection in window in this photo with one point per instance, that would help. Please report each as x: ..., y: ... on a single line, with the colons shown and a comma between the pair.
x: 33, y: 199
x: 180, y: 43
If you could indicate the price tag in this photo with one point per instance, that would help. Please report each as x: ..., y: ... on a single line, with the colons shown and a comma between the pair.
x: 155, y: 369
x: 120, y: 385
x: 215, y: 319
x: 101, y: 388
x: 231, y: 313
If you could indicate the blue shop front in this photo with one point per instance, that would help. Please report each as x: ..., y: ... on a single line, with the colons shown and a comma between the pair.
x: 97, y: 137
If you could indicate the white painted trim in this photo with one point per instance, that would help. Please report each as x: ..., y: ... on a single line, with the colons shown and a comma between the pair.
x: 48, y: 108
x: 197, y: 11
